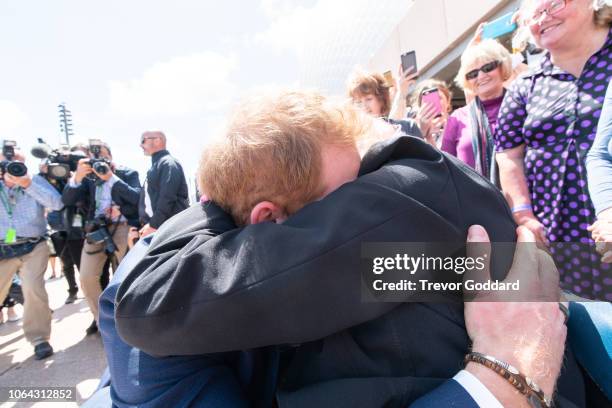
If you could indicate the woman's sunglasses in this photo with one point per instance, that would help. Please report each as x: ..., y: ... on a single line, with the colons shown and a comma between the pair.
x: 486, y: 68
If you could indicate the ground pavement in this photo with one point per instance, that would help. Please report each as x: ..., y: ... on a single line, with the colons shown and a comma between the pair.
x: 78, y: 360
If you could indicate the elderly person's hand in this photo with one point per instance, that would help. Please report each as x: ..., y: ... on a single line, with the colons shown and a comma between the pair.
x: 527, y: 335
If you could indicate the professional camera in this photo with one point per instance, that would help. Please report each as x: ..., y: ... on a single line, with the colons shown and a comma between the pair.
x: 8, y: 165
x: 97, y: 233
x: 98, y: 163
x: 60, y: 162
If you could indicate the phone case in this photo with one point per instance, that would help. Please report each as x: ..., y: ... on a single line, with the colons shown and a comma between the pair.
x: 409, y: 60
x: 499, y: 27
x: 433, y: 98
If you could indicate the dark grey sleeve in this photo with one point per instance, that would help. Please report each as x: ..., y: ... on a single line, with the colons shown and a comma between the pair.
x: 171, y: 177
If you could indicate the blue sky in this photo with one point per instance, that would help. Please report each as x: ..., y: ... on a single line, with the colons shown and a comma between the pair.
x: 126, y: 66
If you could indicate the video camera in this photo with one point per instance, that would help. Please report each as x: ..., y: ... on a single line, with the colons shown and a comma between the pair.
x: 60, y: 162
x: 98, y: 163
x: 8, y: 165
x: 97, y: 233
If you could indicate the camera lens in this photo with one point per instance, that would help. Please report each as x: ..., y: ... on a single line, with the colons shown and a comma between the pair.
x: 101, y: 168
x: 59, y: 171
x: 17, y: 169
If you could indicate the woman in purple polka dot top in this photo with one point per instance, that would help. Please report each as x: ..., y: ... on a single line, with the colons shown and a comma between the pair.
x: 547, y: 124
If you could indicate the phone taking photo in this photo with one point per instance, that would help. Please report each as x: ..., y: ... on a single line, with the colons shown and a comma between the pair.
x: 432, y: 97
x: 499, y: 27
x: 408, y: 61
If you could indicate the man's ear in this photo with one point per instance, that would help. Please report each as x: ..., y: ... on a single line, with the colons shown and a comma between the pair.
x: 267, y: 211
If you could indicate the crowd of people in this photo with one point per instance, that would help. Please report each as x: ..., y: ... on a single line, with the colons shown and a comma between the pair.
x: 90, y: 216
x: 250, y: 297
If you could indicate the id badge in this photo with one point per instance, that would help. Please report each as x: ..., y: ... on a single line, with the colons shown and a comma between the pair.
x: 11, y: 236
x: 77, y: 221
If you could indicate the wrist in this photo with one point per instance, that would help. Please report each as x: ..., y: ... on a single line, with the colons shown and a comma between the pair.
x: 523, y: 216
x: 503, y: 391
x: 524, y: 361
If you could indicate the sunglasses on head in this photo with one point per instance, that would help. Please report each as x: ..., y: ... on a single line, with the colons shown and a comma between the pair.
x: 486, y: 68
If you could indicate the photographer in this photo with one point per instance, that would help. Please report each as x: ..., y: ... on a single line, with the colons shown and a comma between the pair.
x: 67, y: 233
x: 22, y: 247
x: 110, y: 196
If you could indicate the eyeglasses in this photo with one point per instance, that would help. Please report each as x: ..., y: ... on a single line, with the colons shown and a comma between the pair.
x: 553, y: 8
x: 143, y: 139
x: 486, y: 68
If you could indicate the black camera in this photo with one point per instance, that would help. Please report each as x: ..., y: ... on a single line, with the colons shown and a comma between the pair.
x: 98, y: 163
x: 8, y: 165
x: 97, y: 233
x: 60, y: 162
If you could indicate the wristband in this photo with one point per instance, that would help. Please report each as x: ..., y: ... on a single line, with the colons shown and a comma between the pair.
x: 535, y: 395
x: 521, y: 207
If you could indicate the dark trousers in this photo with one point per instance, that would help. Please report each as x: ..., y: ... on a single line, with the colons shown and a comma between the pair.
x: 69, y: 251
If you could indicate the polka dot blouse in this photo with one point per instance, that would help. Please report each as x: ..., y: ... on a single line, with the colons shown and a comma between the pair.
x: 554, y: 114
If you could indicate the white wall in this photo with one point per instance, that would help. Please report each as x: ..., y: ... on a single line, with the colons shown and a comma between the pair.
x: 432, y: 27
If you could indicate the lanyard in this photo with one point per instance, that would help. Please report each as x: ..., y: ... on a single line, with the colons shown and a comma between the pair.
x: 7, y: 202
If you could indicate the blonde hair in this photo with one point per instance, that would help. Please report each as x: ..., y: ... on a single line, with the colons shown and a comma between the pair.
x: 362, y: 83
x: 271, y: 151
x: 603, y: 12
x: 487, y: 50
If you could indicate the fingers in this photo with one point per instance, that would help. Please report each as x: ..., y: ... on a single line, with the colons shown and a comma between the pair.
x: 427, y: 111
x: 549, y: 278
x: 525, y: 255
x: 479, y: 245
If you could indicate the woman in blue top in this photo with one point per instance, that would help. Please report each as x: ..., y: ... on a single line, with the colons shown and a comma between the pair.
x: 599, y: 168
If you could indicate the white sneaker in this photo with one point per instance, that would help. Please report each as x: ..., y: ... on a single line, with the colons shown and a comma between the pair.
x: 12, y: 315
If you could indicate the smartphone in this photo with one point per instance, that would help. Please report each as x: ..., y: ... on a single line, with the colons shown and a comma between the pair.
x: 389, y: 78
x: 409, y: 60
x: 432, y: 97
x: 499, y: 27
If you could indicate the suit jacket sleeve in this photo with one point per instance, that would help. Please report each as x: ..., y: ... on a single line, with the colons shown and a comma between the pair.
x: 126, y: 190
x: 171, y: 177
x: 449, y: 394
x: 72, y: 194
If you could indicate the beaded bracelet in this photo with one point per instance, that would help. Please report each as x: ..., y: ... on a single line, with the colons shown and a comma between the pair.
x: 523, y: 384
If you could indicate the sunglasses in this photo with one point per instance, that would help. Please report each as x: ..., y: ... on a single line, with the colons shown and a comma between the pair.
x: 143, y: 139
x: 486, y: 68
